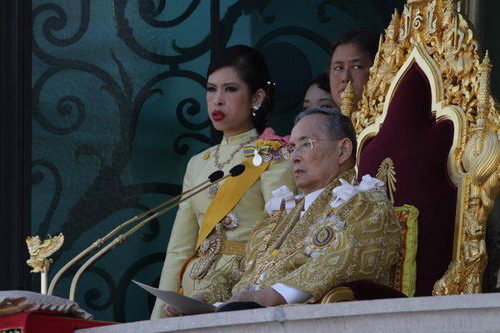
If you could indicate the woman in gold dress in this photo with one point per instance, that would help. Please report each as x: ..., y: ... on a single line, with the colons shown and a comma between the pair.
x: 211, y: 229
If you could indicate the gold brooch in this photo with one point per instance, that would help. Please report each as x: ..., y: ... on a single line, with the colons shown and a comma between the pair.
x: 207, y: 155
x: 230, y: 221
x: 323, y: 236
x: 212, y: 191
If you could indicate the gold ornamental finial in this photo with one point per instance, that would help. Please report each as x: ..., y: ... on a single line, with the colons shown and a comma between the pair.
x: 376, y: 60
x: 348, y: 100
x: 483, y: 96
x: 393, y: 27
x: 387, y: 173
x: 392, y: 31
x: 39, y: 255
x: 484, y: 79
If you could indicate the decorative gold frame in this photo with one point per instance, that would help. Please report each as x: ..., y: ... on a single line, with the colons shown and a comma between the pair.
x: 434, y: 34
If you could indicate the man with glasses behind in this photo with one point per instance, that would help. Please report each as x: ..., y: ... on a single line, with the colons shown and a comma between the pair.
x: 341, y: 231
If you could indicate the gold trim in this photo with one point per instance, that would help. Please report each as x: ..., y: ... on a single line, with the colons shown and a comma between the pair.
x: 387, y: 174
x: 338, y: 294
x: 434, y: 35
x: 40, y: 251
x: 233, y: 248
x: 348, y: 100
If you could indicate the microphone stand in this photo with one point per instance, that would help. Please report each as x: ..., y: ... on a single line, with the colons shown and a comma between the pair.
x: 98, y: 243
x: 121, y: 238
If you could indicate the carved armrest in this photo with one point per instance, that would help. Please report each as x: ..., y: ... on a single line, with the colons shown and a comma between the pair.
x: 338, y: 294
x: 360, y: 290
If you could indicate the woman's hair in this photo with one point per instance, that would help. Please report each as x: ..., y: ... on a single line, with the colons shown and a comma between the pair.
x: 252, y: 69
x: 322, y: 81
x: 367, y: 40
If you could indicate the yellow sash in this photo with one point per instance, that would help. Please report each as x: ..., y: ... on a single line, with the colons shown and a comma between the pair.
x: 228, y: 196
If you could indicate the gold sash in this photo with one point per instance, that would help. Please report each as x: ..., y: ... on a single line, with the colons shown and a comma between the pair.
x: 228, y: 196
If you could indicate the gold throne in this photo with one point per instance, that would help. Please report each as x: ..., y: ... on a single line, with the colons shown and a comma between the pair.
x: 428, y: 113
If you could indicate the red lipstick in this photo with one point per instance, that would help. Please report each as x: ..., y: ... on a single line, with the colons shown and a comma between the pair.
x: 218, y: 115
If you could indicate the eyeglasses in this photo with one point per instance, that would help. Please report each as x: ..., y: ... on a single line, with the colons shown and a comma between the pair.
x: 302, y: 145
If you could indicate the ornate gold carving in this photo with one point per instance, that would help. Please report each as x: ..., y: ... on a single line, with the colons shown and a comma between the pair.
x: 348, y: 100
x: 431, y: 19
x: 447, y: 39
x: 418, y: 20
x: 434, y: 33
x: 41, y: 251
x: 387, y: 173
x: 405, y: 26
x: 338, y: 294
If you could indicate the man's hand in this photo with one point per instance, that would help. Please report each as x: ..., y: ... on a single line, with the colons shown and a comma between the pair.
x: 265, y: 297
x: 198, y: 297
x: 170, y: 311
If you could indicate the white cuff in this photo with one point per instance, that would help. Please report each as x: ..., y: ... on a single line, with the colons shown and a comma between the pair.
x: 291, y: 294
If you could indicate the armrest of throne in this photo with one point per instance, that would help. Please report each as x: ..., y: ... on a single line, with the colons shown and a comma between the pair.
x: 360, y: 290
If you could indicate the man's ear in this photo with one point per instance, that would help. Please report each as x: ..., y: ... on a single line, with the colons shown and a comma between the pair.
x: 258, y: 97
x: 345, y: 150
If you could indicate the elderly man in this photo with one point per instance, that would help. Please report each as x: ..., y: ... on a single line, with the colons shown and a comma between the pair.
x: 339, y: 231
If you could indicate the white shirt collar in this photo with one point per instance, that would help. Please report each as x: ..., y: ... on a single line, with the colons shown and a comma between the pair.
x: 309, y: 199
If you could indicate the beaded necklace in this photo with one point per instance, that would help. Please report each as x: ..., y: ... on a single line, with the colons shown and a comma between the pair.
x: 219, y: 165
x: 212, y: 191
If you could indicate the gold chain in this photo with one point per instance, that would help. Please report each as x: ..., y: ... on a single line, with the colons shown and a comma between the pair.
x: 223, y: 164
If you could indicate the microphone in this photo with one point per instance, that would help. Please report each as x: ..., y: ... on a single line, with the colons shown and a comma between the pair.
x: 237, y: 170
x: 216, y: 176
x: 213, y: 177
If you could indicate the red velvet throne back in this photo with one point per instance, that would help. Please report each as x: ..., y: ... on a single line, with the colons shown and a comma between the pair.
x: 419, y: 148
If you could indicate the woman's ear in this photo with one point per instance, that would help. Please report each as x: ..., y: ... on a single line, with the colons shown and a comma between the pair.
x: 345, y: 150
x: 258, y: 97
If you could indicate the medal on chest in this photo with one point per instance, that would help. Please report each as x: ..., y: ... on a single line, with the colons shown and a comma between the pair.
x: 212, y: 191
x: 322, y: 234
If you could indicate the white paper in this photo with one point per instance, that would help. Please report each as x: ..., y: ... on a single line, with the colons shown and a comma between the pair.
x: 183, y: 304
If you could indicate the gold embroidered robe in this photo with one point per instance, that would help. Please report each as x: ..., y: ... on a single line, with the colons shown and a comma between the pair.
x: 191, y: 213
x: 326, y: 247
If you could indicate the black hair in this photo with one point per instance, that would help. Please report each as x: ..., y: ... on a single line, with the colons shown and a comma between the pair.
x: 322, y: 81
x: 367, y: 40
x: 252, y: 69
x: 337, y: 126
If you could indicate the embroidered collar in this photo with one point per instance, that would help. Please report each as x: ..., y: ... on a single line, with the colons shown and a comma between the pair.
x: 283, y: 194
x: 309, y: 199
x: 239, y: 138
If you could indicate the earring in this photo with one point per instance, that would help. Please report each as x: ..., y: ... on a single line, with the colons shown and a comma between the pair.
x: 255, y: 109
